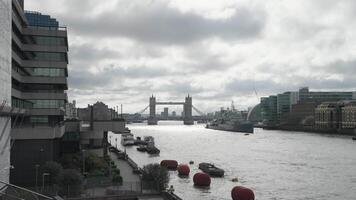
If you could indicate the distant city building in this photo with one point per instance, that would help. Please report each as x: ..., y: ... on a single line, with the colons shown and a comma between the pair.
x: 301, y: 117
x: 254, y: 114
x: 275, y: 110
x: 71, y: 110
x: 285, y: 102
x: 101, y: 111
x: 348, y: 114
x: 327, y: 116
x: 165, y: 113
x: 323, y: 96
x: 269, y: 110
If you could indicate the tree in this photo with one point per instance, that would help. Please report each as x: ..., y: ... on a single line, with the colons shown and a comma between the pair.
x: 156, y: 174
x: 70, y: 182
x: 54, y: 169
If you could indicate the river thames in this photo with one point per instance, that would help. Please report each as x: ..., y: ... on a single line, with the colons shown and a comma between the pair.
x: 274, y: 164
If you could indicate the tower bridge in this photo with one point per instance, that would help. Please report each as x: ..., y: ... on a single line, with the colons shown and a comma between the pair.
x: 187, y: 109
x: 188, y: 106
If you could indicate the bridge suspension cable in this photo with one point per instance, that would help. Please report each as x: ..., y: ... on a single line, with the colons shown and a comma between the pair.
x: 142, y: 111
x: 198, y: 111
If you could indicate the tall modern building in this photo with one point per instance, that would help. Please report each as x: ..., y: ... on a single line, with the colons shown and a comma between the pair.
x: 285, y: 102
x: 39, y: 83
x: 322, y: 96
x: 269, y: 110
x: 5, y: 88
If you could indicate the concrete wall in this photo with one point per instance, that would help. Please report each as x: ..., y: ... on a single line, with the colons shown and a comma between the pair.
x: 5, y: 85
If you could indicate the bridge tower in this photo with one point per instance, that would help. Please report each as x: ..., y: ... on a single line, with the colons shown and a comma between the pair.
x: 152, y: 120
x: 188, y: 105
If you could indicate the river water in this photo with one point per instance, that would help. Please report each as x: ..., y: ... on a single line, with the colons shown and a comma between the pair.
x: 274, y: 164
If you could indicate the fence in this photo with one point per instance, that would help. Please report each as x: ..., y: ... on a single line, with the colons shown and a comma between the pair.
x: 97, y: 188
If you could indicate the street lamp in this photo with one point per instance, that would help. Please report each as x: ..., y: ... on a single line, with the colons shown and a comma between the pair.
x: 37, y: 166
x: 43, y: 180
x: 83, y: 150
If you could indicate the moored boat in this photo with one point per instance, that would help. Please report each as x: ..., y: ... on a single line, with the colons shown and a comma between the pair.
x: 127, y: 140
x: 142, y: 148
x: 152, y: 150
x: 211, y: 169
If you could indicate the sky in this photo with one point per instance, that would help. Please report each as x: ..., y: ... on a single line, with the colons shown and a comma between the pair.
x: 217, y: 51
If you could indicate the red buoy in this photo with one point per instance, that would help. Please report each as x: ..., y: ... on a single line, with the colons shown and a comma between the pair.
x: 201, y: 179
x: 183, y: 170
x: 169, y: 164
x: 242, y: 193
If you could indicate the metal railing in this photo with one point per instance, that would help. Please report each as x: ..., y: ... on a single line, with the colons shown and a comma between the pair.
x: 49, y: 28
x: 12, y: 192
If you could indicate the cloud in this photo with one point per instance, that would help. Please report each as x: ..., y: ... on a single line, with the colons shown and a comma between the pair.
x: 122, y: 51
x: 157, y: 22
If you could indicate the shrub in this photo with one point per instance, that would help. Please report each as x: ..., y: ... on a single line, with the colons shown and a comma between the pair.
x: 70, y: 182
x: 54, y: 169
x: 117, y: 179
x: 71, y: 161
x: 156, y: 174
x: 116, y: 171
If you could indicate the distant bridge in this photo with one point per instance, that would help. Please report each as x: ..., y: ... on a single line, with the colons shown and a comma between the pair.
x: 187, y: 110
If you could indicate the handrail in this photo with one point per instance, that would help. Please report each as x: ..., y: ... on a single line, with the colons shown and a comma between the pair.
x: 27, y: 190
x: 50, y: 28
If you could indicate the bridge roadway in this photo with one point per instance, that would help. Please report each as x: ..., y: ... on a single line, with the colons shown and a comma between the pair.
x: 170, y: 103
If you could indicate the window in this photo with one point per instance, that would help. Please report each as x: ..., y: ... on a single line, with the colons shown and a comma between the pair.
x: 45, y: 56
x: 50, y: 41
x: 39, y: 119
x: 20, y: 103
x: 51, y: 72
x: 45, y: 103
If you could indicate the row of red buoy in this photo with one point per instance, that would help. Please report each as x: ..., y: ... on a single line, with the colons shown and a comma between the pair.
x: 203, y: 179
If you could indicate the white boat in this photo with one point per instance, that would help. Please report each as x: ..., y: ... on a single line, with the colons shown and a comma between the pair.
x: 127, y: 140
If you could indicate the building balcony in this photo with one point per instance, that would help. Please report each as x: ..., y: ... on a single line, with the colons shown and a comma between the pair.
x: 10, y: 111
x: 37, y: 132
x: 47, y: 112
x: 39, y: 79
x: 38, y: 48
x: 38, y: 95
x: 45, y: 31
x: 36, y: 63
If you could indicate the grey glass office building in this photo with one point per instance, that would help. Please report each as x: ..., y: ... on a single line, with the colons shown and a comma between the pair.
x: 39, y: 84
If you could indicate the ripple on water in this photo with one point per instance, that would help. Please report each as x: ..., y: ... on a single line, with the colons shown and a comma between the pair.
x: 275, y: 164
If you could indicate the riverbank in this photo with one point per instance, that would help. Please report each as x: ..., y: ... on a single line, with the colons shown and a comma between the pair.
x: 346, y: 132
x: 130, y: 172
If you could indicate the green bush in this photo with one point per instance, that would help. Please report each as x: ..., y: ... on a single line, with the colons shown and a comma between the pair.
x: 157, y: 174
x: 116, y: 171
x: 117, y: 179
x: 71, y: 161
x: 97, y: 173
x: 70, y: 182
x: 54, y: 169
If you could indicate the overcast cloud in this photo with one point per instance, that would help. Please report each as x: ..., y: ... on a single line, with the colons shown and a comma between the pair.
x: 122, y: 51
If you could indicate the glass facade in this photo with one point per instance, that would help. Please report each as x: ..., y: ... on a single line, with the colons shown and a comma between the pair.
x: 49, y: 41
x: 20, y: 103
x: 39, y: 119
x: 47, y: 56
x: 48, y: 103
x: 37, y: 19
x: 50, y: 72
